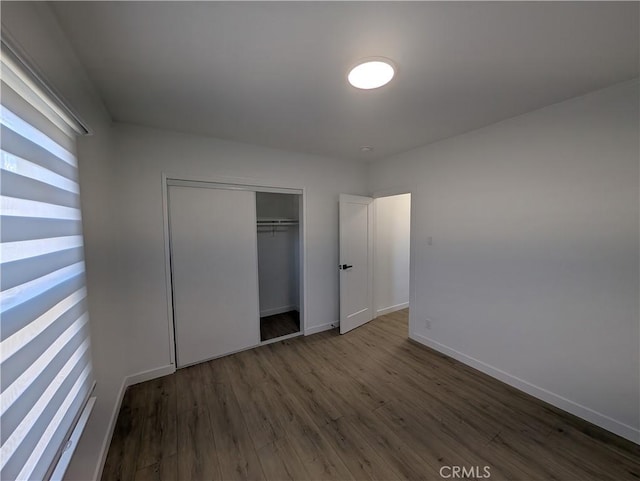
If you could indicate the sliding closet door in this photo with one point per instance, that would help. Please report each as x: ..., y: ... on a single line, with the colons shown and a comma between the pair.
x: 214, y: 271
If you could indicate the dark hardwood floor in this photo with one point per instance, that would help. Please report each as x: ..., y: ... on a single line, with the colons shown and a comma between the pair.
x: 279, y: 325
x: 366, y: 405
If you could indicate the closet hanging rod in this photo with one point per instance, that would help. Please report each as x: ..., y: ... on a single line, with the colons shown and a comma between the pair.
x: 276, y: 222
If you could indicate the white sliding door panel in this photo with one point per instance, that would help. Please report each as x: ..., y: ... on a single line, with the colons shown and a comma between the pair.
x: 214, y: 272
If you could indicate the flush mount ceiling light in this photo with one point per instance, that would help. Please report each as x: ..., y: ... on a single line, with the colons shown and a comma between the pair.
x: 371, y: 74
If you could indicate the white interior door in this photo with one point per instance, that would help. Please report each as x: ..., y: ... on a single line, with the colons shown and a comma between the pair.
x: 356, y: 261
x: 214, y: 271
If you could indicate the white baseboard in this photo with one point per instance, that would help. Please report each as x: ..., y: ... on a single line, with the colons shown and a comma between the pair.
x: 320, y: 328
x: 390, y: 309
x: 599, y: 419
x: 150, y: 374
x: 126, y: 382
x: 278, y: 310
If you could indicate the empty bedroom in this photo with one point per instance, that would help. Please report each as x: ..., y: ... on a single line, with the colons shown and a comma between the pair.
x: 320, y: 240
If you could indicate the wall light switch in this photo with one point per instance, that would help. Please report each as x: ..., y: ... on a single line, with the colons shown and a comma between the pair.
x: 429, y: 241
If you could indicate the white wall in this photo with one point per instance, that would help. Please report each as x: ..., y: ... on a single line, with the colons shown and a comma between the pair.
x: 391, y: 256
x: 278, y: 270
x: 36, y: 32
x: 533, y: 271
x: 144, y: 154
x: 276, y: 205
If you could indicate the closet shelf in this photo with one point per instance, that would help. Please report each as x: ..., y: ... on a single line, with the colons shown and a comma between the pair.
x: 276, y: 222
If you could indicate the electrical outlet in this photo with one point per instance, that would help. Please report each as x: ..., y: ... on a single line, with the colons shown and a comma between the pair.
x: 427, y: 323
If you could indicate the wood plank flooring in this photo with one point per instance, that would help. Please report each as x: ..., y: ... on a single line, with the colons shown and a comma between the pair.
x: 367, y: 405
x: 279, y: 325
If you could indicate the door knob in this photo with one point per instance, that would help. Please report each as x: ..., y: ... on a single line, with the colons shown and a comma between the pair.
x: 344, y: 267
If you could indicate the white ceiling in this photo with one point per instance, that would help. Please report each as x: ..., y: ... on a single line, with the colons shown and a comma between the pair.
x: 274, y: 73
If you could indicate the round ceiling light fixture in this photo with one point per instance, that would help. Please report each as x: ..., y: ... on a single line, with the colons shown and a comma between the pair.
x: 371, y: 73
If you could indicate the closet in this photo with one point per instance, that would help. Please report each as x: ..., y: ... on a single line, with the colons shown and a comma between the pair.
x: 234, y: 260
x: 278, y: 263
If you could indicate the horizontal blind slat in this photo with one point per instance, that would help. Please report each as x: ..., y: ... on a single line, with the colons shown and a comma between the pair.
x: 10, y: 445
x: 34, y: 423
x: 14, y: 207
x: 23, y: 167
x: 20, y: 187
x: 16, y: 144
x: 15, y: 251
x: 15, y: 342
x: 22, y: 315
x: 34, y: 467
x: 29, y: 290
x: 15, y: 123
x: 17, y: 273
x: 13, y: 392
x: 14, y: 415
x: 28, y: 228
x: 34, y: 346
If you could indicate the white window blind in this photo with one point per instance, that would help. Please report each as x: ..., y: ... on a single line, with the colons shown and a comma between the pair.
x: 45, y: 359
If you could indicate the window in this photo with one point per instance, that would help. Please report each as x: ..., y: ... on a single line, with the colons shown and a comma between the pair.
x: 45, y: 358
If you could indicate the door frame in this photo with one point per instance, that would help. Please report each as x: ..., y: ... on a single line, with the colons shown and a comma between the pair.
x: 412, y: 242
x: 231, y: 183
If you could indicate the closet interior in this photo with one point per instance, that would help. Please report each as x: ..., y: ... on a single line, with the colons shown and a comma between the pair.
x: 278, y: 263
